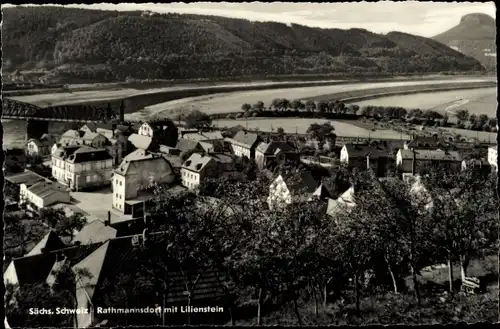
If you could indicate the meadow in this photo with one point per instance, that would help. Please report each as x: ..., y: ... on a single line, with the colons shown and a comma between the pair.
x: 477, y: 101
x: 231, y: 102
x: 296, y: 125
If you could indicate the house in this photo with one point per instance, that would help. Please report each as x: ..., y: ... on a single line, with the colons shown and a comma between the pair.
x: 143, y: 142
x: 106, y: 129
x: 373, y: 156
x: 292, y: 187
x: 59, y: 156
x: 162, y: 131
x: 82, y: 167
x: 135, y: 174
x: 275, y: 152
x: 493, y: 157
x: 71, y: 137
x: 244, y: 144
x: 119, y: 257
x: 196, y: 168
x: 413, y: 161
x: 117, y: 147
x: 44, y: 194
x: 51, y: 241
x: 96, y: 140
x: 40, y: 147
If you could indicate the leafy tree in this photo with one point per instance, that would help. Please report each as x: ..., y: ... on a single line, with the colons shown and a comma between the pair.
x: 297, y: 105
x: 310, y: 105
x: 197, y: 119
x: 462, y: 114
x: 259, y: 106
x: 246, y: 107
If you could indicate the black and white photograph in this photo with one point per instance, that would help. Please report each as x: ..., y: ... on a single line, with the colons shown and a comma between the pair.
x: 250, y: 164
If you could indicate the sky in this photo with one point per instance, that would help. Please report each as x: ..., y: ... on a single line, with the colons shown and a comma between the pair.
x: 420, y: 18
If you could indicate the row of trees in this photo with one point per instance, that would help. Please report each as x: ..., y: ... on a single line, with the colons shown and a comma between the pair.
x: 283, y: 104
x: 476, y: 122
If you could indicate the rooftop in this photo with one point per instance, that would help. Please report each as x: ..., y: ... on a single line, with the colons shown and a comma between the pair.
x: 88, y: 154
x: 196, y: 162
x: 27, y: 177
x: 244, y: 138
x: 363, y: 150
x: 271, y: 147
x: 141, y: 142
x: 47, y: 188
x: 437, y: 155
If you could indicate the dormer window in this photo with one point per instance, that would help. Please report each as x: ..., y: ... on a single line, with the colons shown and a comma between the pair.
x: 198, y: 166
x: 188, y: 163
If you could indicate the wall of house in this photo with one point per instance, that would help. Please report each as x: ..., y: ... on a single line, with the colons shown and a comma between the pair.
x: 492, y: 157
x: 279, y: 193
x: 344, y: 156
x: 241, y: 151
x: 119, y: 191
x: 190, y: 179
x: 91, y: 174
x: 260, y: 159
x: 32, y: 148
x: 59, y: 170
x: 145, y: 130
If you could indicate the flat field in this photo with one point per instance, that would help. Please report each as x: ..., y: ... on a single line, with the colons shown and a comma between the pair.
x: 231, y: 102
x: 477, y: 101
x: 296, y: 125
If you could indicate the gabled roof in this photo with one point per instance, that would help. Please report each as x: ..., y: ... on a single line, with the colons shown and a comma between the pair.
x: 196, y: 162
x: 245, y: 139
x: 126, y: 164
x: 361, y: 151
x: 433, y: 155
x: 91, y: 136
x: 32, y: 269
x: 93, y: 263
x: 72, y: 133
x: 322, y: 192
x: 95, y: 232
x: 186, y: 145
x: 65, y: 151
x: 27, y: 177
x: 300, y: 181
x: 342, y: 203
x: 49, y: 242
x: 271, y: 147
x: 141, y: 142
x: 87, y: 154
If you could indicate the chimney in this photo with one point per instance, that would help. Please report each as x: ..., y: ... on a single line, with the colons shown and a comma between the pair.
x: 414, y: 163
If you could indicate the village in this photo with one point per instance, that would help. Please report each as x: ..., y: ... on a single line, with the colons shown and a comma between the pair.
x: 105, y: 180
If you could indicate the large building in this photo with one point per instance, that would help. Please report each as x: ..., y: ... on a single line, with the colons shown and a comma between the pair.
x: 361, y: 156
x: 135, y: 174
x: 82, y: 167
x: 412, y: 161
x: 196, y: 168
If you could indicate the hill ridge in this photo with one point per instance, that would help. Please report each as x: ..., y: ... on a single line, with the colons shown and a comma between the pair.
x: 112, y: 45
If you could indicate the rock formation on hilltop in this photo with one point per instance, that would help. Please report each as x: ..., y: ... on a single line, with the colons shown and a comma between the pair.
x: 474, y: 36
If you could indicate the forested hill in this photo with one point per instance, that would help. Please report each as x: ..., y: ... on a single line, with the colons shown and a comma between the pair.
x: 475, y: 36
x: 107, y: 45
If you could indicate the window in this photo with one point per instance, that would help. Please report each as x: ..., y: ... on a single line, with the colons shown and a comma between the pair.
x: 120, y: 183
x: 116, y: 181
x: 89, y: 179
x: 117, y: 195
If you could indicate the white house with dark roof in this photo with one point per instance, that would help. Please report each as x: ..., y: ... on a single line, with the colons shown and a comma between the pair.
x: 294, y: 187
x: 364, y: 156
x: 411, y: 161
x: 82, y: 167
x: 44, y: 194
x: 162, y: 131
x: 275, y: 152
x: 197, y: 168
x: 106, y: 129
x: 71, y: 137
x: 136, y: 172
x: 41, y: 147
x: 244, y: 144
x: 493, y: 157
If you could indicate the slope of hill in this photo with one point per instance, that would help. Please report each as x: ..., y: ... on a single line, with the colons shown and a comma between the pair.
x: 107, y: 45
x: 475, y: 36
